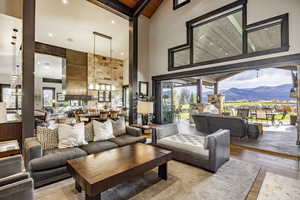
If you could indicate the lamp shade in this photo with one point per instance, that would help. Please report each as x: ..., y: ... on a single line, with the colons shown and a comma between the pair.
x: 145, y: 107
x: 2, y: 113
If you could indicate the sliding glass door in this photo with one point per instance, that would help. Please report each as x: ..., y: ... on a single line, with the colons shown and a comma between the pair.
x: 167, y: 102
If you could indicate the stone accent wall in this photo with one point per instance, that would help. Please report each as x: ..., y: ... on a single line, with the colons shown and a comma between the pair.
x: 108, y: 71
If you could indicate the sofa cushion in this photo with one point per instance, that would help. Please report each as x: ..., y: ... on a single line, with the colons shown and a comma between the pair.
x: 89, y: 132
x: 102, y: 130
x: 96, y: 147
x: 119, y: 127
x: 71, y: 136
x: 166, y: 131
x: 127, y: 139
x: 55, y: 158
x: 187, y: 143
x: 47, y: 137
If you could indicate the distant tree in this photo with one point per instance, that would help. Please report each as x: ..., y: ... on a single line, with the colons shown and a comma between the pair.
x: 182, y: 98
x: 185, y: 93
x: 175, y: 99
x: 192, y: 99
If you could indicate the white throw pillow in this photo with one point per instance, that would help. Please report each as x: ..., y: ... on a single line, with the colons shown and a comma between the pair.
x: 119, y: 127
x: 102, y: 131
x: 71, y: 136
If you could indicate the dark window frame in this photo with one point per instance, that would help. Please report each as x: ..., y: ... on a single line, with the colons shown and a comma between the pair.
x: 239, y: 6
x: 177, y: 5
x: 16, y: 97
x: 107, y: 99
x: 125, y: 87
x: 54, y: 96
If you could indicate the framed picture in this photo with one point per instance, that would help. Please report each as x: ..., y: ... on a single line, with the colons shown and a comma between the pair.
x: 60, y: 97
x: 143, y: 88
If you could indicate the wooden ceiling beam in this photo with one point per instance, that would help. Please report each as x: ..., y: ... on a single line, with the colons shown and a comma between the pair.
x: 115, y: 7
x: 140, y: 6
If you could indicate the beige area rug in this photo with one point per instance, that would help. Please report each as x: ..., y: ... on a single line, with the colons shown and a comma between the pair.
x: 276, y: 187
x: 233, y: 181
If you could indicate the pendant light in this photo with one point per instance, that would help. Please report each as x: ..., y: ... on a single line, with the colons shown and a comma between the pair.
x: 112, y: 88
x: 92, y: 86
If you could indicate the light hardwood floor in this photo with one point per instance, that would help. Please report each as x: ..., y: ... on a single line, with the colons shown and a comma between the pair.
x: 269, y: 163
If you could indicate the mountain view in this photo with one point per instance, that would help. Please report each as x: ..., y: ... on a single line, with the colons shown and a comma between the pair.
x: 263, y: 93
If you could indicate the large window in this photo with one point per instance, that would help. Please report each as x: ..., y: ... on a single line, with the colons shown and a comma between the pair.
x: 179, y: 3
x: 48, y: 97
x: 11, y: 97
x: 126, y: 96
x: 218, y: 39
x: 223, y: 35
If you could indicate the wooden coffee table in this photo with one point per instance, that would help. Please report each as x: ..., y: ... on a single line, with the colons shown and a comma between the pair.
x: 99, y: 172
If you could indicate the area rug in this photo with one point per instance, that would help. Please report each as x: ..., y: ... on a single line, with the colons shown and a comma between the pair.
x: 233, y: 181
x: 276, y: 187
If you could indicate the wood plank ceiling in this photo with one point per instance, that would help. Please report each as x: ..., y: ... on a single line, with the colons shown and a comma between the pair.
x: 149, y: 10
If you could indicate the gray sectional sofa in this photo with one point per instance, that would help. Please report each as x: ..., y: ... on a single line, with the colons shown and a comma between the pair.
x: 239, y: 128
x: 47, y: 166
x: 209, y: 152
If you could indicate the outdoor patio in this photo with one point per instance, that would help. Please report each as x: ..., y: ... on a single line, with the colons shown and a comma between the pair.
x: 279, y: 139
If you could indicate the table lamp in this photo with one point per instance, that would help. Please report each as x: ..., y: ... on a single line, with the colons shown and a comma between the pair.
x: 2, y: 113
x: 145, y: 108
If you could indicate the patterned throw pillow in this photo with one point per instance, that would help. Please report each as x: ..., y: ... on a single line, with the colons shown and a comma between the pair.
x: 47, y: 137
x: 119, y: 127
x: 89, y: 132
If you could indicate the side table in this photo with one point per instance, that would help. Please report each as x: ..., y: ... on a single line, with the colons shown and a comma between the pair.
x: 144, y: 128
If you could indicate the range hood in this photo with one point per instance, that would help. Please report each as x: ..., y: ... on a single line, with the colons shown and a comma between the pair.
x: 75, y: 73
x: 78, y: 97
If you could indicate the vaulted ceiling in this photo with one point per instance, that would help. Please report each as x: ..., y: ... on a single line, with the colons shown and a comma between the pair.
x: 126, y: 8
x: 149, y: 10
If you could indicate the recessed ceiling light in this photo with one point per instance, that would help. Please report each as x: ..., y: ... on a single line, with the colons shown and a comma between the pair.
x: 65, y: 1
x: 50, y: 34
x: 122, y: 53
x: 113, y: 22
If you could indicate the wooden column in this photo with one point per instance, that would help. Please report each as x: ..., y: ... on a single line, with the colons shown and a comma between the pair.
x: 28, y: 68
x: 298, y: 104
x: 216, y: 87
x: 133, y: 69
x: 199, y: 91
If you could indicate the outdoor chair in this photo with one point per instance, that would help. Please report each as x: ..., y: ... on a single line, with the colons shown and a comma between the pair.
x: 243, y: 113
x: 261, y: 115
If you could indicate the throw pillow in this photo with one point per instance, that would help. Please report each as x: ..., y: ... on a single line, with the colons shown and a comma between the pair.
x: 89, y: 132
x: 71, y: 136
x: 102, y: 131
x: 47, y: 137
x: 119, y: 127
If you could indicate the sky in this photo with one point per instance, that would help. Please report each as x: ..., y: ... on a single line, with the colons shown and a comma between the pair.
x: 249, y: 79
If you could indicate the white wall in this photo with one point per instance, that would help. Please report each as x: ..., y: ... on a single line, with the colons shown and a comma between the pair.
x: 126, y: 72
x: 5, y: 78
x: 11, y: 7
x: 143, y: 52
x: 167, y: 27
